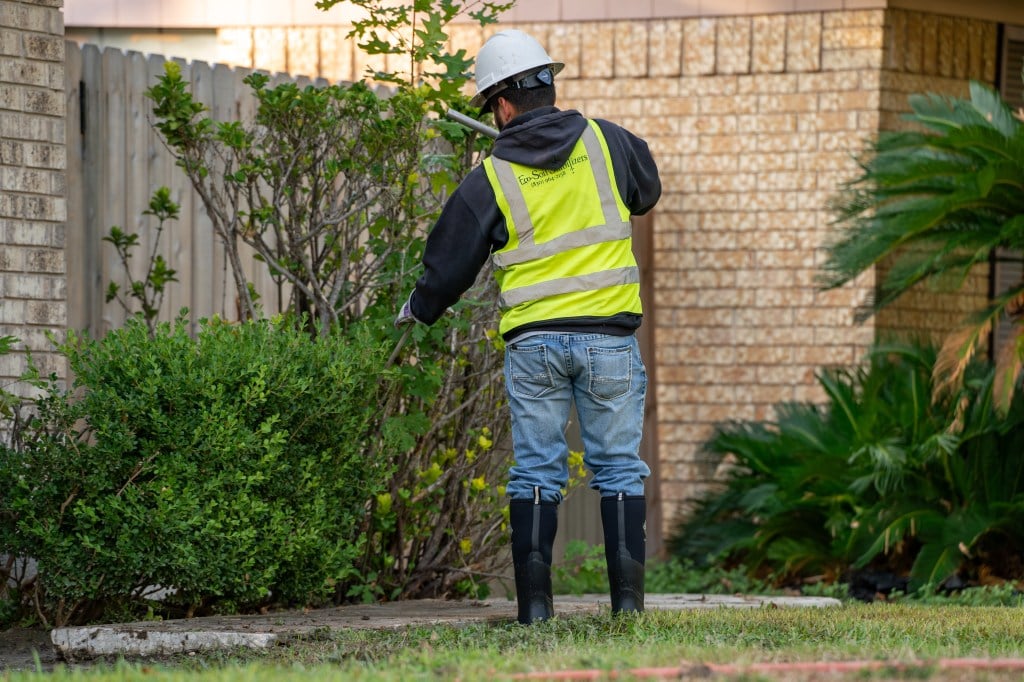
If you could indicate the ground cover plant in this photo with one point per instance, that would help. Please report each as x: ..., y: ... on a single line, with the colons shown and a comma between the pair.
x: 907, y: 634
x: 583, y: 570
x: 879, y: 478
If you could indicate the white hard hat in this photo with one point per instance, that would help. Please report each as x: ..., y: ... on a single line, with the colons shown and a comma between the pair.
x: 507, y: 54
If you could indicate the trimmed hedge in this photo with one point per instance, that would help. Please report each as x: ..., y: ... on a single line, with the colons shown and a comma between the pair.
x: 229, y: 469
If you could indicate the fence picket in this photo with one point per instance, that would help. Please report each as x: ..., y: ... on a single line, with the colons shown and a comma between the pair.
x: 112, y: 179
x: 75, y: 240
x: 92, y: 269
x: 136, y: 165
x: 227, y: 88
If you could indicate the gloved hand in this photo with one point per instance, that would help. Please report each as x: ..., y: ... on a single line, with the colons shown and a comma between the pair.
x: 405, y: 315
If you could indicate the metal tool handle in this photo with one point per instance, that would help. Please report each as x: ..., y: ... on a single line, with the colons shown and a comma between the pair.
x: 400, y: 344
x: 472, y: 123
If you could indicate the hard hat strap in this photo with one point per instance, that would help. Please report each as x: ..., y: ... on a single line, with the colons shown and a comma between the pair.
x: 540, y: 79
x: 537, y: 79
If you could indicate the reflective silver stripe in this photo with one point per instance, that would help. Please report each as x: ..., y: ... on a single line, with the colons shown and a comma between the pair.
x: 516, y: 202
x: 587, y: 237
x: 569, y: 285
x: 613, y: 229
x: 604, y: 181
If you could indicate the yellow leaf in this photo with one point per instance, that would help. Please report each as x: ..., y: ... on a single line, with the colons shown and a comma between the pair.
x: 431, y: 474
x: 575, y: 459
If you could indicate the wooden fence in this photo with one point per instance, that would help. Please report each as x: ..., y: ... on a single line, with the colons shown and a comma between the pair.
x: 116, y: 161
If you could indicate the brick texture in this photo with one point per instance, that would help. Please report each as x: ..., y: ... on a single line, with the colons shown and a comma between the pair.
x: 924, y: 53
x: 33, y: 159
x: 754, y: 122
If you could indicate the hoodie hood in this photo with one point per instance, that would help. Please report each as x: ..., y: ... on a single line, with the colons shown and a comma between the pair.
x: 542, y: 138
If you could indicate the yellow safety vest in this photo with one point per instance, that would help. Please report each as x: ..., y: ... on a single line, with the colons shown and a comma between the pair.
x: 569, y: 251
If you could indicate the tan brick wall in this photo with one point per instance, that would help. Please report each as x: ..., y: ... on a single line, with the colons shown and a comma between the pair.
x: 938, y: 54
x: 32, y: 180
x: 754, y: 121
x: 777, y: 105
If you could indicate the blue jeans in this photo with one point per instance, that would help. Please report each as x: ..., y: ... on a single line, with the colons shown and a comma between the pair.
x: 544, y: 374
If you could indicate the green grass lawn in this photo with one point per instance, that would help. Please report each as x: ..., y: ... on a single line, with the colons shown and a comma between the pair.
x: 852, y: 632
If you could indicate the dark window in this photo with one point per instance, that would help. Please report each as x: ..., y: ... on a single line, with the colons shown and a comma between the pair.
x: 1008, y: 266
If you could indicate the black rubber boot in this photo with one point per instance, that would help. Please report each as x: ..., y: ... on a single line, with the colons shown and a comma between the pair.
x: 624, y: 518
x: 533, y: 524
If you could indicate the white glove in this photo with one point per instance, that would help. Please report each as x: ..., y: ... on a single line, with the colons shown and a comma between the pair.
x: 405, y: 315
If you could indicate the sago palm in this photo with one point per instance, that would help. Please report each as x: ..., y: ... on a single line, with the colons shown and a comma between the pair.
x: 873, y: 479
x: 934, y: 203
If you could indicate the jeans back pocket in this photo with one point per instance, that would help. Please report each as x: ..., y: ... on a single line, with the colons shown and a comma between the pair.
x: 611, y: 372
x: 530, y: 371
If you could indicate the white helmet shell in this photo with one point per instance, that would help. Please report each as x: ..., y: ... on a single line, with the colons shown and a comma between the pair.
x: 505, y: 54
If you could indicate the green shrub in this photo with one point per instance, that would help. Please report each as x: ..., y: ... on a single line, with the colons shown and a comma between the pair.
x: 982, y: 595
x: 881, y: 477
x: 581, y: 571
x: 229, y: 468
x: 677, y: 576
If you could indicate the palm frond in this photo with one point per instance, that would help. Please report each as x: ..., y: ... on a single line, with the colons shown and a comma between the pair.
x: 993, y: 108
x: 956, y: 354
x: 887, y: 459
x: 802, y: 427
x: 946, y: 271
x: 937, y: 112
x: 983, y: 144
x: 1012, y: 232
x: 960, y: 347
x: 903, y: 169
x: 935, y: 563
x: 750, y: 442
x: 897, y: 524
x: 948, y: 544
x: 944, y: 114
x: 910, y: 222
x: 958, y: 185
x: 843, y: 398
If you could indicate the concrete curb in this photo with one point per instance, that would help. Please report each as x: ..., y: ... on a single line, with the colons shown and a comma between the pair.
x: 84, y: 642
x: 158, y: 638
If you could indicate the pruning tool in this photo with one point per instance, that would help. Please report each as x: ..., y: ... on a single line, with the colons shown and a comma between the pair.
x: 472, y: 123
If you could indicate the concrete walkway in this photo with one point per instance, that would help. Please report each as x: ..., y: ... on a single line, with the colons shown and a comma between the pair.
x: 153, y: 638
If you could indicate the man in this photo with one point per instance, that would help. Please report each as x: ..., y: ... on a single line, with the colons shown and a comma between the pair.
x: 551, y: 208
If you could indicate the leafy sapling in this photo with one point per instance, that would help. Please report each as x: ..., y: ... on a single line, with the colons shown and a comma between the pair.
x: 149, y: 289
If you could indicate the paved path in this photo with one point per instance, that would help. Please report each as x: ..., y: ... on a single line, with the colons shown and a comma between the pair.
x: 153, y: 638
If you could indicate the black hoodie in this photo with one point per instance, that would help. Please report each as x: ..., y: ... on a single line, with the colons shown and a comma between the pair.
x: 471, y: 226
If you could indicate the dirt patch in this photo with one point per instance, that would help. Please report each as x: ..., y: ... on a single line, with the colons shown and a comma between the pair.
x: 26, y: 649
